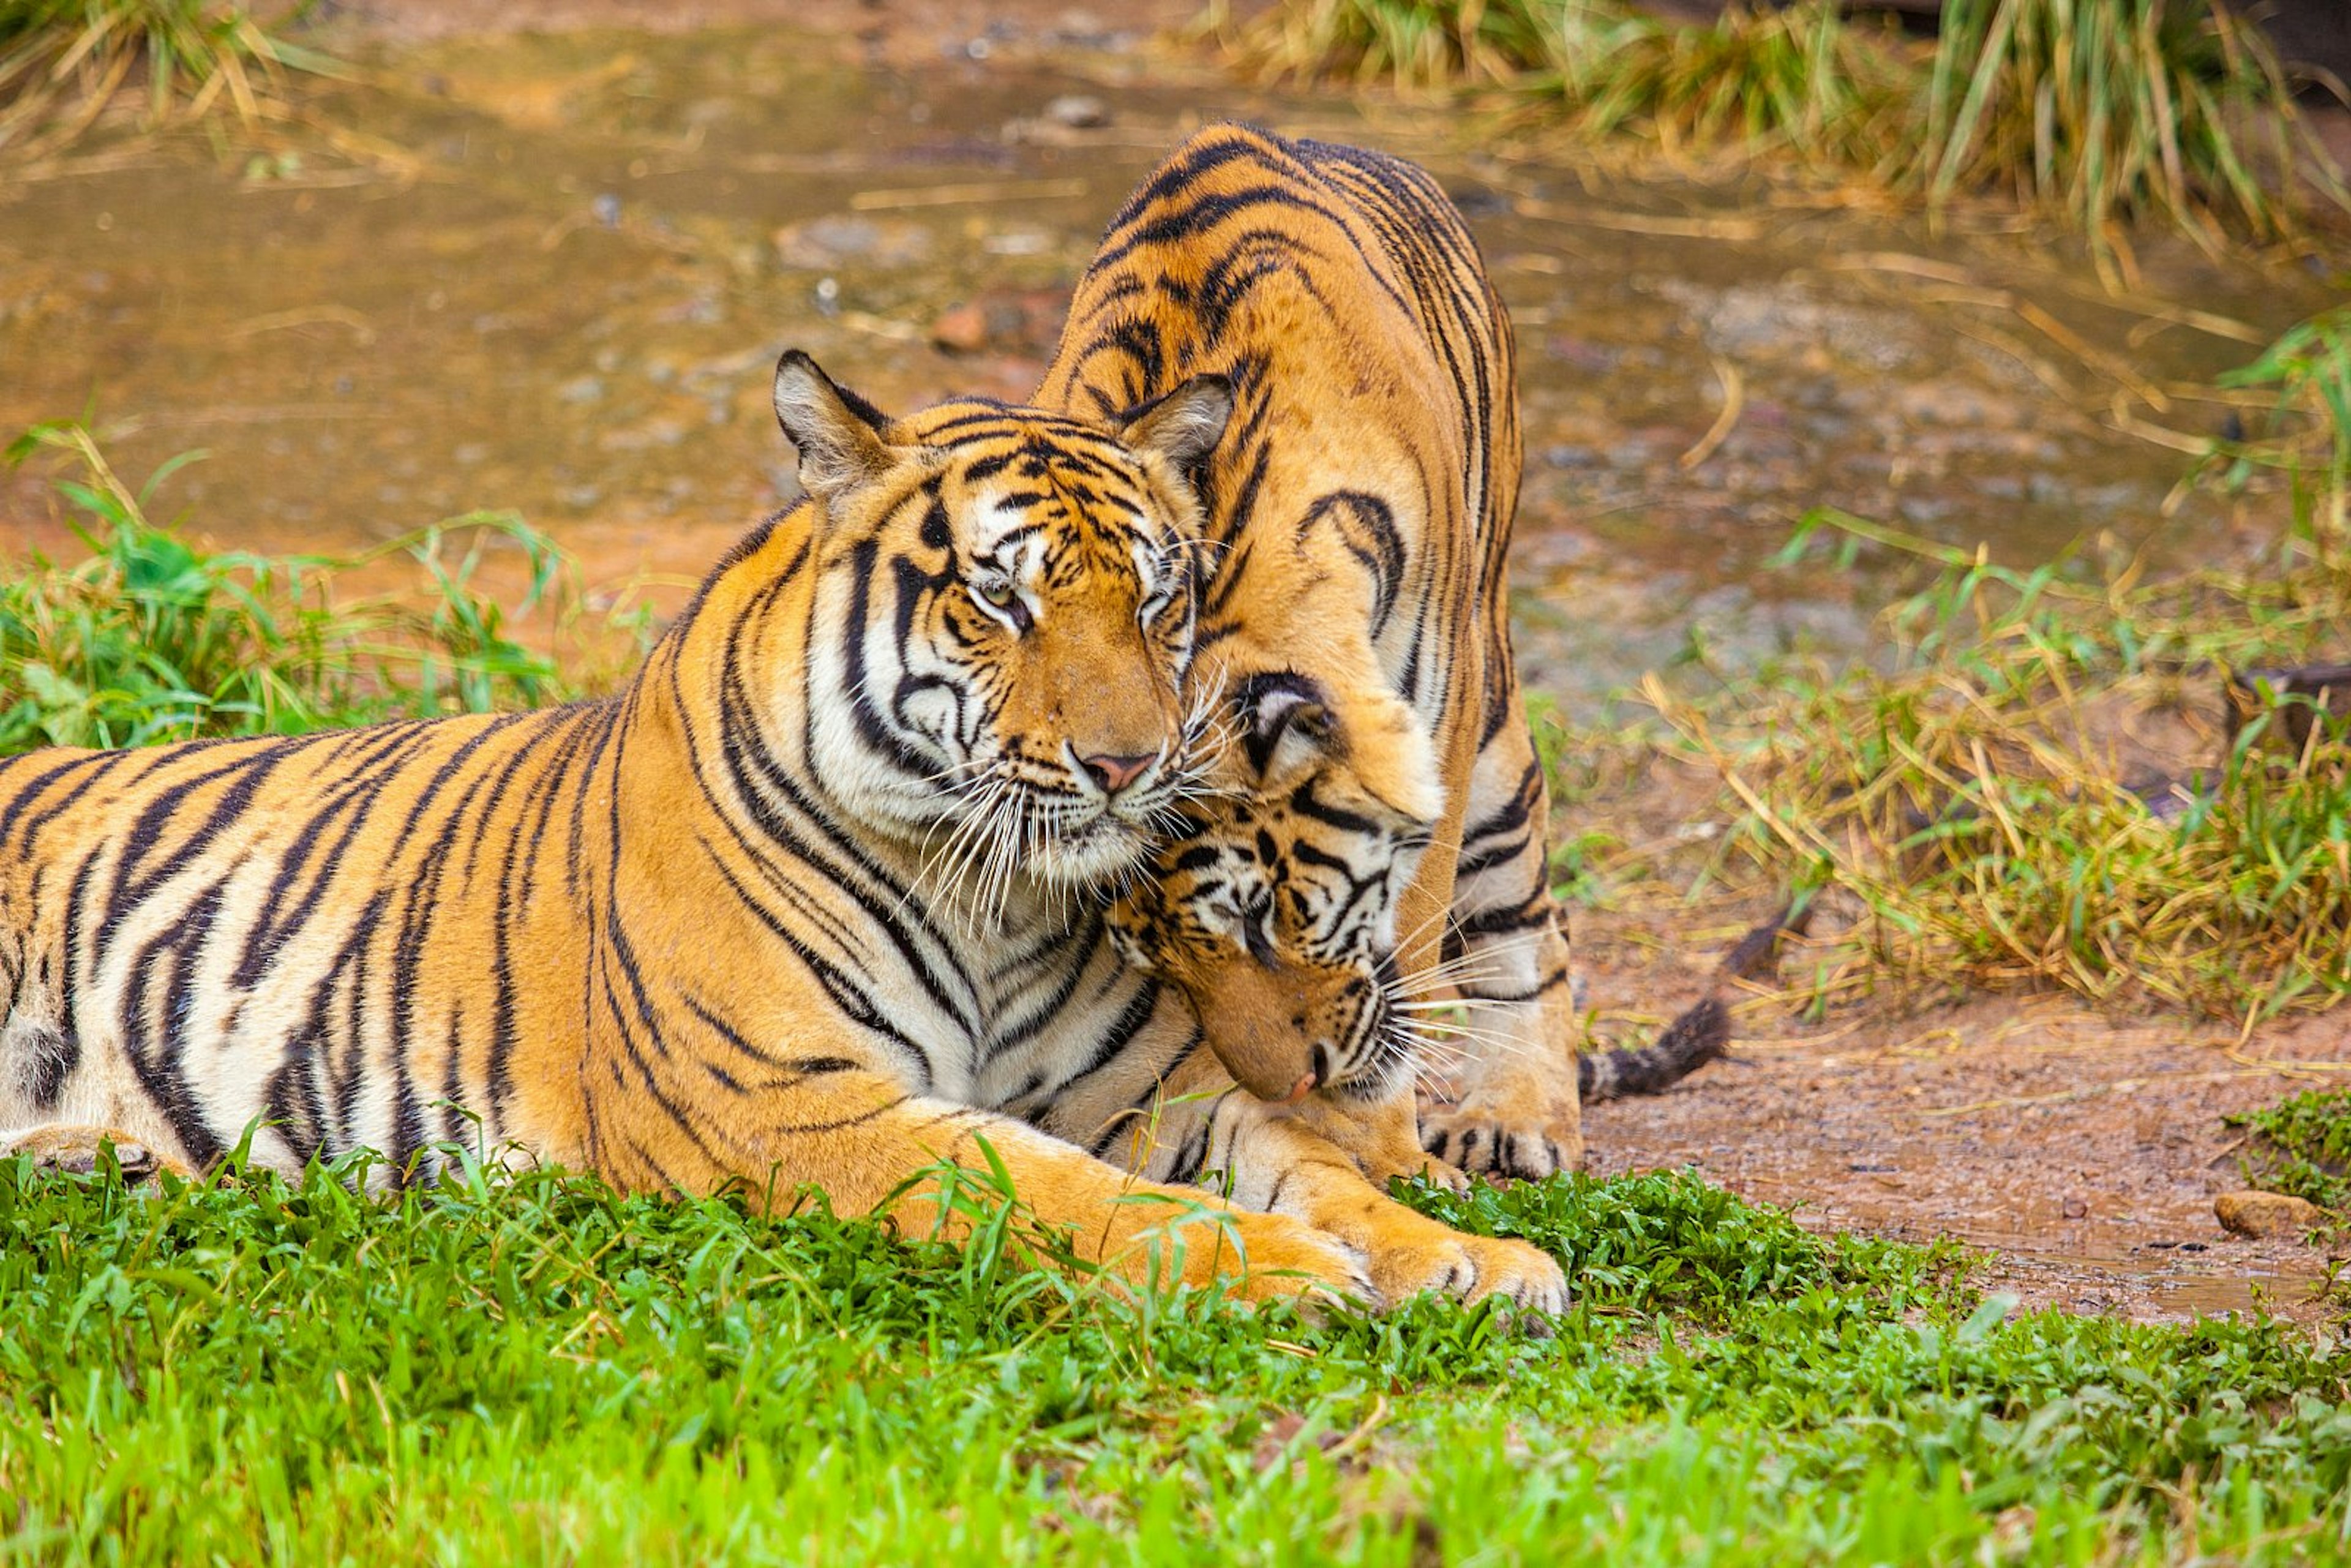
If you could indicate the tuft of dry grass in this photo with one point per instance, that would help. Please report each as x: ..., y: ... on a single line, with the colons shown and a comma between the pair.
x: 2096, y: 111
x: 2111, y: 108
x: 1803, y: 78
x: 1975, y: 802
x: 64, y: 62
x: 1429, y: 44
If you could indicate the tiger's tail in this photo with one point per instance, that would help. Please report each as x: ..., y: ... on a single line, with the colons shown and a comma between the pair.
x: 1700, y: 1035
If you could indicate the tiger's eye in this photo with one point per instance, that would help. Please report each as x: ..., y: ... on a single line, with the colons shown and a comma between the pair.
x: 995, y: 591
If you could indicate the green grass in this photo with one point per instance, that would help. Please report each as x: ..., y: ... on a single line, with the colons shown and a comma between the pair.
x: 532, y: 1368
x: 2302, y: 1145
x: 153, y: 637
x: 2095, y: 110
x: 2308, y: 373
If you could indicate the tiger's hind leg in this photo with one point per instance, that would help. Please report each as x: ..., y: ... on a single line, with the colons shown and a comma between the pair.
x: 76, y: 1150
x: 1512, y: 1108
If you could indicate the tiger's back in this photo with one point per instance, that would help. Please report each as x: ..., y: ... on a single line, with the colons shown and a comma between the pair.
x: 1383, y: 832
x: 1366, y: 488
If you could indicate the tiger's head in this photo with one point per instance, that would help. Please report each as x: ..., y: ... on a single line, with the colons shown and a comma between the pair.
x: 1004, y: 623
x: 1275, y: 907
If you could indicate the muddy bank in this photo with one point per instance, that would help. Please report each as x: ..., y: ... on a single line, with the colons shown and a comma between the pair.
x: 2080, y: 1152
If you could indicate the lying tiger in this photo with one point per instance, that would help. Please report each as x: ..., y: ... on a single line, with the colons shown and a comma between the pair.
x: 720, y: 930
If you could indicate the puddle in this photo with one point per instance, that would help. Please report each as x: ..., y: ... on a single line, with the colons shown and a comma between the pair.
x: 569, y: 306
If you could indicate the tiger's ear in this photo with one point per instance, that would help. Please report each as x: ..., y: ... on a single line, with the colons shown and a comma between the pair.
x: 1184, y: 424
x: 839, y: 434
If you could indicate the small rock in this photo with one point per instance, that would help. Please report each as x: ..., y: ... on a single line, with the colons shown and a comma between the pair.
x: 829, y: 242
x: 1477, y: 200
x: 1017, y: 242
x: 962, y: 330
x: 2261, y: 1215
x: 1078, y: 110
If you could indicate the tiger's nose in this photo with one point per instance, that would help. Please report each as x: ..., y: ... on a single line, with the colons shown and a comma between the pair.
x: 1115, y: 773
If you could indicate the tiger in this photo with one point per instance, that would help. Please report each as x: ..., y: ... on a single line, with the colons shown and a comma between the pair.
x: 813, y: 902
x: 1376, y: 828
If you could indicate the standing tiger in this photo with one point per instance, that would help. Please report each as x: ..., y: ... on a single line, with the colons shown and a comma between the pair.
x: 814, y: 900
x: 1377, y: 827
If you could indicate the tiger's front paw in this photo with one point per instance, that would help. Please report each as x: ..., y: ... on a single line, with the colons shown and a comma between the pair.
x: 75, y: 1151
x: 1426, y: 1165
x: 1470, y: 1268
x: 1485, y: 1143
x: 1381, y: 1139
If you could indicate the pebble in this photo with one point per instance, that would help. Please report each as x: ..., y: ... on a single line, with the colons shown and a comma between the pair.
x: 828, y: 242
x: 1078, y: 110
x: 2261, y: 1215
x: 962, y: 330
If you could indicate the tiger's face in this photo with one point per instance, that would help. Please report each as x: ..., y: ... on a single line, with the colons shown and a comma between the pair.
x: 1005, y: 626
x: 1275, y: 908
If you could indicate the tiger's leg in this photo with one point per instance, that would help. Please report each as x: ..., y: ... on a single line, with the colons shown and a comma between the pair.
x: 74, y: 1149
x: 1515, y: 1110
x: 1381, y: 1137
x: 1269, y: 1158
x: 866, y: 1143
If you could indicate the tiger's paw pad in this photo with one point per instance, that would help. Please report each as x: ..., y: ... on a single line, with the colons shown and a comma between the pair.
x: 1489, y: 1145
x: 76, y: 1151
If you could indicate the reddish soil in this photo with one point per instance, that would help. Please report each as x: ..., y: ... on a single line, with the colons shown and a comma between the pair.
x: 2081, y: 1155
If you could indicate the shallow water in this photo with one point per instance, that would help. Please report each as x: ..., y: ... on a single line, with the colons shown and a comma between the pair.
x: 561, y: 290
